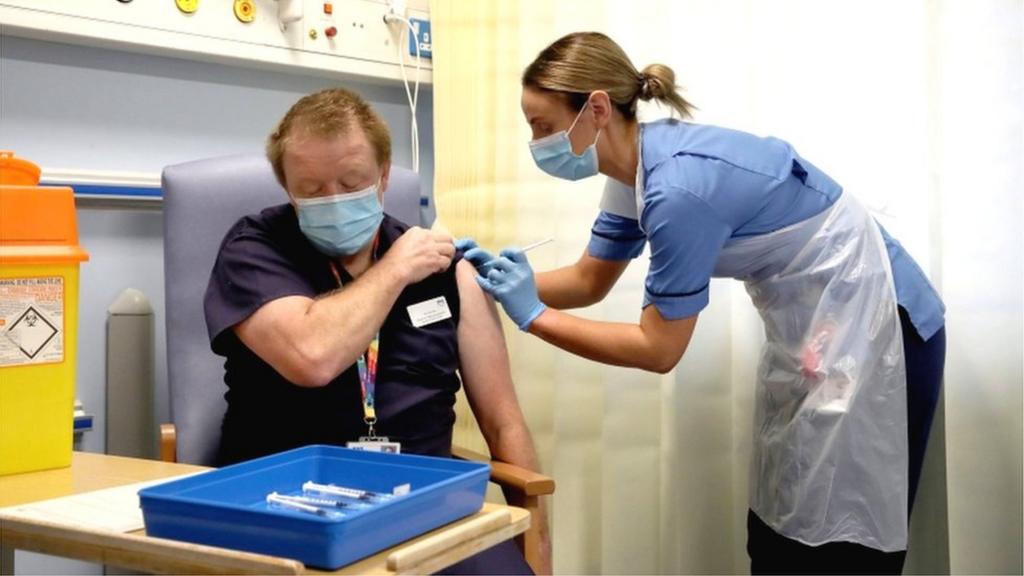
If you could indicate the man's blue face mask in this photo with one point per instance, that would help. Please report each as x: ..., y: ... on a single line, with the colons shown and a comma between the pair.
x: 342, y: 224
x: 553, y: 154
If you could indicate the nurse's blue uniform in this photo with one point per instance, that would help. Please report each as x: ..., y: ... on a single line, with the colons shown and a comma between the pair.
x: 717, y: 202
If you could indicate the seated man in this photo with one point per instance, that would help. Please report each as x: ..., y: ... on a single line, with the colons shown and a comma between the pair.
x: 305, y: 295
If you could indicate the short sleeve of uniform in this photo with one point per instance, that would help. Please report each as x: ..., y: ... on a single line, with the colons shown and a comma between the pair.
x: 251, y: 269
x: 686, y: 235
x: 615, y: 238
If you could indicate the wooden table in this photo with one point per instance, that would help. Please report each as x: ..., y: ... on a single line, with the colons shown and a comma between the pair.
x: 135, y: 550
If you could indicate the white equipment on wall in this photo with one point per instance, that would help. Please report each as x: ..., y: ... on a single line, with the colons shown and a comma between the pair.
x: 322, y: 37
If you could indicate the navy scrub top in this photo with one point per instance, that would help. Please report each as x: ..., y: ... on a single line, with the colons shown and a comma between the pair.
x: 701, y: 186
x: 264, y: 257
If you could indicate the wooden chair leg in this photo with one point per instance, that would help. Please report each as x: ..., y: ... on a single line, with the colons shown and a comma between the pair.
x: 531, y: 538
x: 168, y: 443
x: 529, y: 542
x: 522, y: 489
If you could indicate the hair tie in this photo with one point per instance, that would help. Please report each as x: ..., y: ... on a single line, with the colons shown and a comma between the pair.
x: 645, y: 86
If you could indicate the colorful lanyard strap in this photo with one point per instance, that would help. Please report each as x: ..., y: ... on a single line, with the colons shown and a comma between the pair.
x: 367, y: 366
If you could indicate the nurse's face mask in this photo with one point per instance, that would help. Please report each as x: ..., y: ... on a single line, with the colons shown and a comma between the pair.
x: 342, y: 224
x: 553, y: 154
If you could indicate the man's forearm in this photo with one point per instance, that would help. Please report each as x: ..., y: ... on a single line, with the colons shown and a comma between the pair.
x: 513, y: 444
x: 338, y: 327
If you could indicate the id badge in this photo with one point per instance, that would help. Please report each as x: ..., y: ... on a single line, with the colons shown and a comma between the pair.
x: 429, y: 311
x: 376, y: 444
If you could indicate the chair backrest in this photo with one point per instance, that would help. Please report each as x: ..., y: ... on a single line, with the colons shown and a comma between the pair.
x: 202, y: 199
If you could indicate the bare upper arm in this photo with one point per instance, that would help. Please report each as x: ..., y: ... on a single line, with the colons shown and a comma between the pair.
x: 483, y: 356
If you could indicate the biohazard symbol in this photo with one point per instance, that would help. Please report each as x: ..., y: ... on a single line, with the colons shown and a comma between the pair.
x: 31, y: 332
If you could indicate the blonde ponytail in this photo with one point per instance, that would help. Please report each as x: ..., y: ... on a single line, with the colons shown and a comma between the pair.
x: 580, y: 63
x: 658, y: 82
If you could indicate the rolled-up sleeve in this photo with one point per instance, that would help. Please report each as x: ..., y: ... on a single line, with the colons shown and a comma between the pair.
x: 686, y: 236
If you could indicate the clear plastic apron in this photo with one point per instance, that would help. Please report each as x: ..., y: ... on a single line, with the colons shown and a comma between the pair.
x: 830, y: 432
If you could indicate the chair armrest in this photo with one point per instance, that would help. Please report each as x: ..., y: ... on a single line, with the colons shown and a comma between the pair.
x: 168, y: 443
x: 507, y: 475
x: 524, y: 490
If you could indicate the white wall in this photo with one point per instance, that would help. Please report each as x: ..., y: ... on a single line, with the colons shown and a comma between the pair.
x: 71, y: 107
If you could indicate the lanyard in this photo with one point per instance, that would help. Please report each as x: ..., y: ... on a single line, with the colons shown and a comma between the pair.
x: 367, y: 366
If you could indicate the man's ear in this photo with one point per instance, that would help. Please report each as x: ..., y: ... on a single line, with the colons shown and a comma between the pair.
x: 385, y: 173
x: 291, y: 199
x: 601, y: 108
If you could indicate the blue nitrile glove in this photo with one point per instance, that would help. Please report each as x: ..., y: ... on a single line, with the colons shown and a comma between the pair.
x: 510, y: 280
x: 465, y: 244
x: 478, y: 257
x: 481, y: 259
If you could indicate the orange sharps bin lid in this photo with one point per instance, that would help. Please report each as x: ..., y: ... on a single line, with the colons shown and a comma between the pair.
x: 37, y: 224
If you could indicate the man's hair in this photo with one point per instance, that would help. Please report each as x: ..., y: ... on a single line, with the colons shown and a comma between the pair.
x: 328, y: 113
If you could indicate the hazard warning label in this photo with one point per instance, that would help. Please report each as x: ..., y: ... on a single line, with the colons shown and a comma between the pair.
x: 31, y: 320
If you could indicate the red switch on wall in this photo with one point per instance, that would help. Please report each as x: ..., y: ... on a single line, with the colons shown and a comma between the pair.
x: 331, y: 32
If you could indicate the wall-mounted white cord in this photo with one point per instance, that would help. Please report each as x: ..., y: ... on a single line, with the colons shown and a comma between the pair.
x: 289, y: 11
x: 412, y: 95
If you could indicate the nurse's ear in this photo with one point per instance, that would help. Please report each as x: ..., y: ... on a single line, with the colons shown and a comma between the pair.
x: 601, y: 108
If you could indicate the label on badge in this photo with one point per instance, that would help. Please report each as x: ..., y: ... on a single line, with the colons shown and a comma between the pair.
x: 376, y: 444
x: 429, y: 311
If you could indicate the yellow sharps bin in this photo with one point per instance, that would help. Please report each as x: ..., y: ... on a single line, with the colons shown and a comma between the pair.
x: 39, y: 260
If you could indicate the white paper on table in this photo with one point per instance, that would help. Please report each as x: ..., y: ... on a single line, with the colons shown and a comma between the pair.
x: 114, y: 509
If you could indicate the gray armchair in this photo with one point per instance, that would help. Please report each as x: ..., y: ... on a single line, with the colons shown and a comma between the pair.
x: 202, y: 199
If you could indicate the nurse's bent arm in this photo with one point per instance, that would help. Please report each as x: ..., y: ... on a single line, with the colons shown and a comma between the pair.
x: 656, y: 344
x: 581, y: 284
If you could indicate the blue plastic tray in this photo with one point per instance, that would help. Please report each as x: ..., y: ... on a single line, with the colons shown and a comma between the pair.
x: 227, y: 507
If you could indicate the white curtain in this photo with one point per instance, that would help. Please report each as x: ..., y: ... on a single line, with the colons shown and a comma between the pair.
x: 976, y: 132
x: 914, y: 106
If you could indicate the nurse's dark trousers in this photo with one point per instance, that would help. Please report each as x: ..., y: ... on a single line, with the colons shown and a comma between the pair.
x: 772, y: 553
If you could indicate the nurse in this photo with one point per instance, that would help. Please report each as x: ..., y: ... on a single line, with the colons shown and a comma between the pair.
x: 850, y: 373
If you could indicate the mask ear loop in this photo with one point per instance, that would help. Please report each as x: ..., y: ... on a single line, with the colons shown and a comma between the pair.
x: 573, y: 125
x: 577, y: 119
